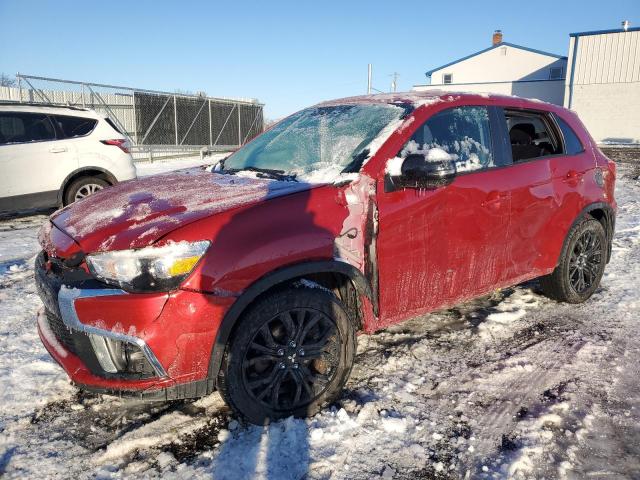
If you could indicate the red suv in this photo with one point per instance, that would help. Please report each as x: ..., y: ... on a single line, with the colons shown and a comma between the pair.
x: 253, y: 277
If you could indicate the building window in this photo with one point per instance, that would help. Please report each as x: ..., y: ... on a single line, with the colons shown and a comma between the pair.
x: 447, y: 78
x: 555, y: 73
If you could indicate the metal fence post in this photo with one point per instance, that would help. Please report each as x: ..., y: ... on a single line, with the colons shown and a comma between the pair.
x: 19, y: 87
x: 175, y: 116
x: 210, y: 125
x: 135, y: 118
x: 239, y: 127
x: 84, y: 105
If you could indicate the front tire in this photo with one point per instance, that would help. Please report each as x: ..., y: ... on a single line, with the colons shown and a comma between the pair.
x: 581, y: 265
x: 291, y: 354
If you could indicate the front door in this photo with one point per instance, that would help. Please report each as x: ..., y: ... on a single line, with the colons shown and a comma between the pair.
x: 436, y: 247
x: 28, y: 154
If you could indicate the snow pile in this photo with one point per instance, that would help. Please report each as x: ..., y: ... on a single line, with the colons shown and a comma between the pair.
x: 500, y: 321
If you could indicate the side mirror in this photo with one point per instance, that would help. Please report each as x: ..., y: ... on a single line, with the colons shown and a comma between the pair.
x: 418, y: 172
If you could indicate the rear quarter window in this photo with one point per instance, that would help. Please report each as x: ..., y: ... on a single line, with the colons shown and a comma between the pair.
x: 572, y: 143
x: 72, y: 127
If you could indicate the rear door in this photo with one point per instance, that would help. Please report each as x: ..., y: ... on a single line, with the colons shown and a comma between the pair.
x: 541, y: 180
x: 438, y: 246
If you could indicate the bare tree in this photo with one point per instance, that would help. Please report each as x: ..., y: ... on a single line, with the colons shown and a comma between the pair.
x: 7, y: 80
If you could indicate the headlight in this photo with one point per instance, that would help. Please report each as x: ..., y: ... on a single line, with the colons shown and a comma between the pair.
x: 151, y: 269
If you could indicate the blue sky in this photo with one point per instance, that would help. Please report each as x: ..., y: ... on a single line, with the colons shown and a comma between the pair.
x: 288, y: 54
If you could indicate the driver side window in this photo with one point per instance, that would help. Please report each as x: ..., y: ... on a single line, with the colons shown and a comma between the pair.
x: 461, y: 134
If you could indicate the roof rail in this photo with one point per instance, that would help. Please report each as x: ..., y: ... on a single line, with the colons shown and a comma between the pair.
x: 41, y: 104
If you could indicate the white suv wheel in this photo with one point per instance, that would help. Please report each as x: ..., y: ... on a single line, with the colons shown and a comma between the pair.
x: 86, y: 190
x: 83, y: 187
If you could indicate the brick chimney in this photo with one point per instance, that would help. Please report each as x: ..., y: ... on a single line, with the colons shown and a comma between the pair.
x: 497, y: 37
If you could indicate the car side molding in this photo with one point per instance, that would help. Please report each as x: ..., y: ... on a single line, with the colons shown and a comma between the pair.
x: 278, y: 277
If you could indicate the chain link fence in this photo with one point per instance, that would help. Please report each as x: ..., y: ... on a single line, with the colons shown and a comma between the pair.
x: 159, y: 124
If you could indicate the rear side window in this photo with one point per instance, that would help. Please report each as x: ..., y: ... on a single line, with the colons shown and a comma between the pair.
x: 572, y: 143
x: 531, y: 135
x: 74, y: 126
x: 18, y: 127
x: 461, y: 134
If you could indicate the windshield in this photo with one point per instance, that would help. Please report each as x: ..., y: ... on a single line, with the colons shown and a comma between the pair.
x: 316, y: 142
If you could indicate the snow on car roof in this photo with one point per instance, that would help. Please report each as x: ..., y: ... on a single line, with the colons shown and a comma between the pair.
x: 419, y: 98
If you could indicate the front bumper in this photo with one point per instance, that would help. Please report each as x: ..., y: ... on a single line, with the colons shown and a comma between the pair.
x: 174, y: 331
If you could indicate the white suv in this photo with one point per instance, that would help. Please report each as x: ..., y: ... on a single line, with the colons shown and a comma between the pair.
x: 52, y: 156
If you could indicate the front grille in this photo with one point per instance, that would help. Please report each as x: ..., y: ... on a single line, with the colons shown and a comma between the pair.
x: 61, y: 331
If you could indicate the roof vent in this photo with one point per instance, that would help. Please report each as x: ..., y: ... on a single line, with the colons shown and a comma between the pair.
x: 497, y: 37
x: 625, y: 25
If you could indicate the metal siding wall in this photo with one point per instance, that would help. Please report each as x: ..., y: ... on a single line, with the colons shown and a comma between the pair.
x: 608, y: 58
x: 606, y: 85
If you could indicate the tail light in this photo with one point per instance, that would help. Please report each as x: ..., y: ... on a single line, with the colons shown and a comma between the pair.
x: 121, y: 143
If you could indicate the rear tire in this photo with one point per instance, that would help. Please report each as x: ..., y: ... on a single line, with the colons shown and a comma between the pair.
x: 581, y: 265
x: 83, y: 187
x: 291, y: 354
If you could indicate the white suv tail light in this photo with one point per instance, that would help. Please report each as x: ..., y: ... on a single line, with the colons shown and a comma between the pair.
x: 121, y: 143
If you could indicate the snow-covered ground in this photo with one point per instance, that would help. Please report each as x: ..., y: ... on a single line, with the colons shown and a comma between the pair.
x: 508, y: 386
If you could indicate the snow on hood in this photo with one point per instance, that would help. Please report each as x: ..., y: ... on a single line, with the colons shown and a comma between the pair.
x: 134, y: 214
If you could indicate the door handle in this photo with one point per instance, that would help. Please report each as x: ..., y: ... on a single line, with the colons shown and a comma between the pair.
x: 58, y: 149
x: 573, y: 177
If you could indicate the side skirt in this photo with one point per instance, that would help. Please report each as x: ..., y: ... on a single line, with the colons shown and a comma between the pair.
x: 31, y: 201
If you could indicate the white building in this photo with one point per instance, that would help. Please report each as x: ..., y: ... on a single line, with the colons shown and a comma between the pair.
x: 503, y: 68
x: 603, y: 83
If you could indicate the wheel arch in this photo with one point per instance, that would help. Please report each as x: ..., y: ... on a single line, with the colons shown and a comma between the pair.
x: 603, y: 213
x: 331, y: 274
x: 85, y: 172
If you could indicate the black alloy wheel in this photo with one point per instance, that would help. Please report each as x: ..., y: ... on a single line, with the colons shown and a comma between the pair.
x: 585, y: 261
x: 292, y: 359
x: 581, y: 264
x: 290, y: 354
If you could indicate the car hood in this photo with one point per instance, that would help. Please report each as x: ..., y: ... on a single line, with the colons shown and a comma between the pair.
x: 136, y: 213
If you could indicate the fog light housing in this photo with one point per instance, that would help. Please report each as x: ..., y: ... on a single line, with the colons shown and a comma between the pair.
x: 116, y: 356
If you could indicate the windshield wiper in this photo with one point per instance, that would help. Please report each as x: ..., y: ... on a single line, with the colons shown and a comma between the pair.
x: 265, y: 173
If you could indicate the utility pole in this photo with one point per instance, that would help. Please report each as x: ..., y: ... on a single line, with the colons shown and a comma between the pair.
x: 394, y: 82
x: 369, y: 79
